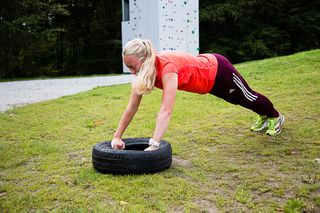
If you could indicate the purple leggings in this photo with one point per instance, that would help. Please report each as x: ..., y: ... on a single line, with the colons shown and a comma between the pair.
x: 232, y: 87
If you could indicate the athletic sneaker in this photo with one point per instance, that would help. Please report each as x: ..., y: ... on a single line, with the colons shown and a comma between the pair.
x: 260, y: 124
x: 274, y: 125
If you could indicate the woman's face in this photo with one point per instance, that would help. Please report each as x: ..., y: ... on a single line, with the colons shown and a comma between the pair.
x: 133, y: 63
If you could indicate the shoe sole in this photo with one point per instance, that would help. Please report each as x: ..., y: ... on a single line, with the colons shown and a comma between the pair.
x: 281, y: 123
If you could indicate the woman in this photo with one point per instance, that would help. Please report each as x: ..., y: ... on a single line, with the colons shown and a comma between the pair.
x: 174, y: 70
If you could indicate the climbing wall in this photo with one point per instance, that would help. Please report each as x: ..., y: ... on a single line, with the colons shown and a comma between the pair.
x: 178, y: 30
x: 169, y: 24
x: 142, y: 21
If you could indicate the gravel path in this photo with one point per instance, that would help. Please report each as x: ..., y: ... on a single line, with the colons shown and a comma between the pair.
x: 19, y: 93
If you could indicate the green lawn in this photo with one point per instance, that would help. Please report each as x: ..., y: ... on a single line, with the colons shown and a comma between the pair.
x: 218, y: 163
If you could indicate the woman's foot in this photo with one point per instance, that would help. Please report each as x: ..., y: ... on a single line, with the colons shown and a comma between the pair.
x: 260, y: 124
x: 274, y: 125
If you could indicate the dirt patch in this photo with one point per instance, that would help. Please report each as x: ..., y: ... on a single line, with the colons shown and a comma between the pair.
x: 78, y: 158
x: 176, y: 161
x: 207, y: 206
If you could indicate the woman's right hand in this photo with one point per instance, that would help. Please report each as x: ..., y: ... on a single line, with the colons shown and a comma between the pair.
x: 117, y: 143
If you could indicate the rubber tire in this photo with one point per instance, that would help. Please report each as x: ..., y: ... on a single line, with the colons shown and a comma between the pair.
x: 131, y: 160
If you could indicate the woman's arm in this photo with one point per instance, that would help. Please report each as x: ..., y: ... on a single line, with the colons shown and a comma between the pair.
x: 170, y: 85
x: 126, y: 118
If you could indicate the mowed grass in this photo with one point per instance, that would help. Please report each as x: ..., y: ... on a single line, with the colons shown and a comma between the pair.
x: 218, y: 165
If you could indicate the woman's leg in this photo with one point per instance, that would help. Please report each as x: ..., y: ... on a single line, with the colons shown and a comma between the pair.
x: 232, y: 87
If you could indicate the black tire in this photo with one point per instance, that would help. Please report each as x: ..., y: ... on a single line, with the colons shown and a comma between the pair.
x: 131, y: 160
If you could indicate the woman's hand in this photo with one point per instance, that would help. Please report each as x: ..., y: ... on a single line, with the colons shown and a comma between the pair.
x: 117, y: 143
x: 125, y: 120
x: 151, y: 148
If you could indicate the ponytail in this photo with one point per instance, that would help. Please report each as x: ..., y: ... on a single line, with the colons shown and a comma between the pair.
x: 146, y: 76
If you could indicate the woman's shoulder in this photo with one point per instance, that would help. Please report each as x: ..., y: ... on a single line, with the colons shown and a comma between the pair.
x: 174, y: 56
x: 172, y: 53
x: 165, y: 58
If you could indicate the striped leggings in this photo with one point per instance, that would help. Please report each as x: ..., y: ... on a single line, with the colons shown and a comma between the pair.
x: 232, y: 87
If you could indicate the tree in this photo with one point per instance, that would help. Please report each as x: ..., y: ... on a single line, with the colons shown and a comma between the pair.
x: 77, y: 37
x: 245, y: 30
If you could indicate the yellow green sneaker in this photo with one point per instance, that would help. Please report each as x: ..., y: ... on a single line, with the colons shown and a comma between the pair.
x: 260, y: 124
x: 274, y: 125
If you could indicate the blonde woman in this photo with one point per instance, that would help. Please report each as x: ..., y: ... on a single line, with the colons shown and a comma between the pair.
x: 175, y: 70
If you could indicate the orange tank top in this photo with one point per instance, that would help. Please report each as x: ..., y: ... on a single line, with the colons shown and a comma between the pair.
x: 195, y: 73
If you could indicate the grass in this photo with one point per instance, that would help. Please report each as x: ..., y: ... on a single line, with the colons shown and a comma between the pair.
x: 219, y: 165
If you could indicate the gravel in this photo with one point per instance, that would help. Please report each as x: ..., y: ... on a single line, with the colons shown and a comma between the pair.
x: 19, y: 93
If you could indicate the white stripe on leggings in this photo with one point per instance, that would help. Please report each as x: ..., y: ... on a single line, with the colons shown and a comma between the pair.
x: 240, y: 82
x: 244, y: 90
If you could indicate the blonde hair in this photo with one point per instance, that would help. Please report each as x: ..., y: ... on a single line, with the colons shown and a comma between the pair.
x: 146, y: 76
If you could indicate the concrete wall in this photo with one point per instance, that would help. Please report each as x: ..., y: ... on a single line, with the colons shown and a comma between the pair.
x: 169, y: 24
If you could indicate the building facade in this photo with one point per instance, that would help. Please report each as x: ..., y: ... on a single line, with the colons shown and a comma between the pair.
x: 169, y: 24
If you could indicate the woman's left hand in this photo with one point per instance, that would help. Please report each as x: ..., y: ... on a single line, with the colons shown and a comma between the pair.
x: 151, y: 148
